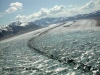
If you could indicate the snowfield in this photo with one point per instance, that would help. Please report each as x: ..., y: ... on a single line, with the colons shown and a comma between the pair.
x: 71, y: 48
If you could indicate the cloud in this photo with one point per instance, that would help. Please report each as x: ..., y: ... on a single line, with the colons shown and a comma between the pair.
x: 14, y: 7
x: 88, y: 6
x: 91, y: 6
x: 62, y: 11
x: 42, y: 13
x: 97, y: 5
x: 21, y: 17
x: 70, y: 6
x: 57, y: 9
x: 11, y: 9
x: 17, y: 5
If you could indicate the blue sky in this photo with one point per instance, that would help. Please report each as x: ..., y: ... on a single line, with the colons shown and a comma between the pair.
x: 30, y: 10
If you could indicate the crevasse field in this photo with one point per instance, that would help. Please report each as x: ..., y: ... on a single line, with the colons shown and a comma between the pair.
x: 71, y: 48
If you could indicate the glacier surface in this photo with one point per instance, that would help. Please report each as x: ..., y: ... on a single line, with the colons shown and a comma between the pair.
x: 71, y: 48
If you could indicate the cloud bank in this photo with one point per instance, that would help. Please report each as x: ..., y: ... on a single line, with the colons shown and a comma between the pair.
x: 14, y: 7
x: 61, y: 11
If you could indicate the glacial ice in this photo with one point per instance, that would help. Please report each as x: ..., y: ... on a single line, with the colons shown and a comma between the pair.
x: 73, y: 43
x: 71, y: 48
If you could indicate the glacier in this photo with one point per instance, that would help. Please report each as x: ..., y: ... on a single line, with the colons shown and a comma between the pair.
x: 70, y: 48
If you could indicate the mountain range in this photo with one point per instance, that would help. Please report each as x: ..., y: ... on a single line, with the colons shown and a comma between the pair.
x: 48, y: 21
x: 17, y: 28
x: 22, y: 27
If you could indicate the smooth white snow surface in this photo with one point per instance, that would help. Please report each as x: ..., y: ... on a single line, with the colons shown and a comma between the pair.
x: 71, y: 48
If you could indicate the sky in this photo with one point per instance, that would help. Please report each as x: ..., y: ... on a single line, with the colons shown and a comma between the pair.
x: 30, y: 10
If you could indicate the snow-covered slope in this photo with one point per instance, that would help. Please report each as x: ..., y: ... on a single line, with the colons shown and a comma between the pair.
x: 17, y: 27
x: 85, y: 24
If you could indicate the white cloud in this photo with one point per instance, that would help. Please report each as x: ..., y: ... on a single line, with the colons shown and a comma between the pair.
x: 14, y: 7
x: 22, y: 18
x: 57, y: 9
x: 11, y: 9
x: 97, y: 5
x: 42, y: 13
x: 62, y: 11
x: 70, y: 6
x: 17, y: 5
x: 88, y: 6
x: 91, y: 6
